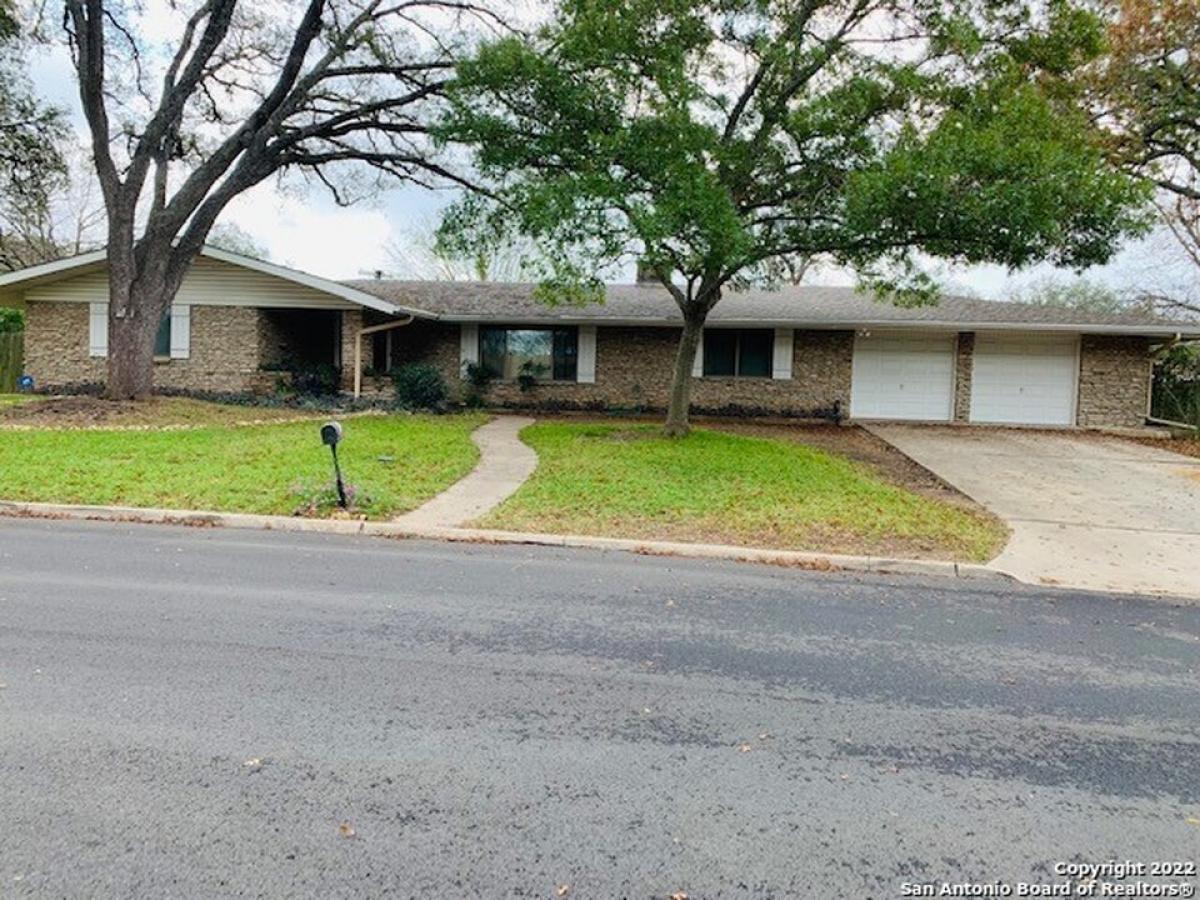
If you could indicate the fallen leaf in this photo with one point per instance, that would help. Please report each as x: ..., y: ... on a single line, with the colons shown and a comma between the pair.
x: 1192, y: 820
x: 679, y: 895
x: 254, y: 761
x: 844, y: 777
x: 346, y: 830
x: 562, y: 890
x: 764, y: 736
x: 744, y: 748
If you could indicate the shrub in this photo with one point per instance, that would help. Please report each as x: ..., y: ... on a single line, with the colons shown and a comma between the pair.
x: 1176, y: 394
x: 420, y: 386
x: 315, y: 379
x: 11, y: 320
x: 530, y: 372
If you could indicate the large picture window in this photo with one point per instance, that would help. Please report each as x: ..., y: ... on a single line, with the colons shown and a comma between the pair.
x: 744, y: 352
x: 546, y: 353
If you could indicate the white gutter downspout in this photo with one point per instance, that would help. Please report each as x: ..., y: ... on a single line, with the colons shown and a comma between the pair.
x: 373, y: 329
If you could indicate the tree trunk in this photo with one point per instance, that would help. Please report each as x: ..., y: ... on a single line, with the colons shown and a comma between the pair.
x: 134, y: 313
x: 681, y: 382
x: 130, y: 355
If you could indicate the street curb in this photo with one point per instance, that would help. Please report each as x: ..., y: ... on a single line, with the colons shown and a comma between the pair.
x: 818, y: 562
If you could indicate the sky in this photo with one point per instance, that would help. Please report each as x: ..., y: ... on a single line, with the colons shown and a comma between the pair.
x: 308, y: 231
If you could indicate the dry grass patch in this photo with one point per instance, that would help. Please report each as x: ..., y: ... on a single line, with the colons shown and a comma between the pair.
x: 155, y: 412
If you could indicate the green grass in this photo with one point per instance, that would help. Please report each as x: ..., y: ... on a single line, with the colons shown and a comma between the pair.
x: 256, y: 469
x: 628, y: 481
x: 14, y: 399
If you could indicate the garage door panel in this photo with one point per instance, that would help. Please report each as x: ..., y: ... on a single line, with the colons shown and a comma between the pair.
x: 1024, y: 381
x: 903, y: 377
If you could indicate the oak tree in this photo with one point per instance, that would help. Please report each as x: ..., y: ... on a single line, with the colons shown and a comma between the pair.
x: 239, y: 92
x: 1146, y: 95
x: 724, y: 143
x: 31, y: 162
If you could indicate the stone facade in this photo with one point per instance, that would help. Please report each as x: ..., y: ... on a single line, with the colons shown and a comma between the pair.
x: 964, y: 364
x: 1114, y: 380
x: 224, y: 355
x: 633, y: 371
x: 633, y: 366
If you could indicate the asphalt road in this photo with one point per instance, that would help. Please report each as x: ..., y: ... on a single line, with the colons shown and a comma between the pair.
x: 196, y: 713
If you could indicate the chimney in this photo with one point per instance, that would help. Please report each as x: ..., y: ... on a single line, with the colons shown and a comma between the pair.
x: 646, y: 273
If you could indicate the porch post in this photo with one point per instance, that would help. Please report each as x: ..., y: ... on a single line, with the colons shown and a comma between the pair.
x: 372, y: 329
x: 357, y: 364
x: 352, y: 322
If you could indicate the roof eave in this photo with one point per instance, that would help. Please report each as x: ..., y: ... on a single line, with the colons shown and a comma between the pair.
x: 1190, y: 332
x: 64, y: 268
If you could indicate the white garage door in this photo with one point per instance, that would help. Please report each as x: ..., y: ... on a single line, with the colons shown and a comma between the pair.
x: 903, y: 377
x: 1024, y: 381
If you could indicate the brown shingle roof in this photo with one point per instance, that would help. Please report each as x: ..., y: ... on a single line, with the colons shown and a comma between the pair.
x: 817, y: 307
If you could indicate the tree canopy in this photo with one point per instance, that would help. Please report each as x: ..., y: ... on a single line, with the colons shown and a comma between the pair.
x: 31, y: 164
x: 221, y: 95
x: 729, y: 142
x: 1146, y: 95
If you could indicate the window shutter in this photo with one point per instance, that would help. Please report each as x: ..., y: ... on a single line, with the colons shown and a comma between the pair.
x: 98, y: 329
x: 698, y: 363
x: 585, y: 367
x: 468, y: 345
x: 181, y: 331
x: 782, y: 363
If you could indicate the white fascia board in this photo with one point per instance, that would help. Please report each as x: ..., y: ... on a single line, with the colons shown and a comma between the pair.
x: 64, y: 268
x: 362, y: 298
x: 51, y: 269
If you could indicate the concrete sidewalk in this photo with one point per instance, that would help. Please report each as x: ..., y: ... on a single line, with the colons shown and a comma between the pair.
x: 504, y: 465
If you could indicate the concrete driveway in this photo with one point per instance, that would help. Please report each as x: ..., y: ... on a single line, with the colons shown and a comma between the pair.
x: 1086, y: 510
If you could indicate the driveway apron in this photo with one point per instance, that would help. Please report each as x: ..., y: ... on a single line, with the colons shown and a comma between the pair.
x: 1086, y: 510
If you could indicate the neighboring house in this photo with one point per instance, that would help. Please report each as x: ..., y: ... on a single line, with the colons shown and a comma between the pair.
x: 806, y: 351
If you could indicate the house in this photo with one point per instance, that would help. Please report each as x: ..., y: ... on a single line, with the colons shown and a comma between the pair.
x: 800, y: 351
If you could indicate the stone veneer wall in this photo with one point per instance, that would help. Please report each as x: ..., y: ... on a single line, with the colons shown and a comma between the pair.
x: 633, y: 366
x: 964, y: 366
x: 352, y: 321
x: 633, y: 369
x: 224, y: 354
x: 1114, y: 380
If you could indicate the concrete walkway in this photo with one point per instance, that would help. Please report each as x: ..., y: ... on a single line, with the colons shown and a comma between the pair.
x: 1085, y: 510
x: 504, y: 465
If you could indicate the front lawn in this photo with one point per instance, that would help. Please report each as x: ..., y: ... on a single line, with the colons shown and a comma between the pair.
x: 396, y: 462
x: 34, y: 411
x: 628, y: 481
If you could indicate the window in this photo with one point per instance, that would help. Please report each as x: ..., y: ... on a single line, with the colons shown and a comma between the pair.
x: 543, y: 352
x: 745, y: 352
x: 162, y: 340
x: 381, y: 352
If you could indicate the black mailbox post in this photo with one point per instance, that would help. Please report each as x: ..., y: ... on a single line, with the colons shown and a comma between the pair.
x: 331, y: 436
